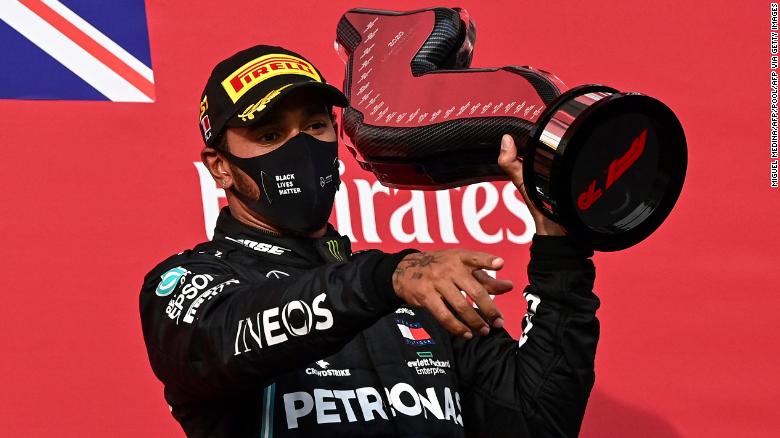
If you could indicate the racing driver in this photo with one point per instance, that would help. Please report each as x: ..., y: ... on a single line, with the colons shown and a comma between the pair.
x: 275, y: 328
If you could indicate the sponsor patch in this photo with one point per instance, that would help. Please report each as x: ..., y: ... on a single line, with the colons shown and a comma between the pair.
x: 259, y: 246
x: 189, y: 291
x: 413, y: 333
x: 325, y: 372
x: 265, y: 67
x: 427, y: 365
x: 205, y: 126
x: 205, y: 123
x: 405, y: 310
x: 204, y: 105
x: 276, y: 274
x: 169, y: 280
x: 533, y: 305
x: 333, y: 247
x: 275, y: 325
x: 189, y: 317
x: 365, y: 404
x: 326, y: 180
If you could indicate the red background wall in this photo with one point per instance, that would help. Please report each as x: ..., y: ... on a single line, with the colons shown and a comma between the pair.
x: 94, y: 194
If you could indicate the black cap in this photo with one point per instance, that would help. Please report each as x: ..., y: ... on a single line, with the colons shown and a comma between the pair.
x: 243, y: 87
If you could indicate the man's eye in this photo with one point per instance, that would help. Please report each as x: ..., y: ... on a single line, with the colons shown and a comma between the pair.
x: 269, y: 137
x: 316, y: 126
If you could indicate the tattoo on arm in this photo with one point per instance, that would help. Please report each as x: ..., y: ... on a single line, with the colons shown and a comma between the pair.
x: 419, y: 260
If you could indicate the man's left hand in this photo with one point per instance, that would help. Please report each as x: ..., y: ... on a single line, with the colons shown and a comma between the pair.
x: 513, y: 167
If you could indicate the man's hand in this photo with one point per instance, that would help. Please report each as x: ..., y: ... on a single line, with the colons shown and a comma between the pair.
x: 513, y: 167
x: 434, y: 280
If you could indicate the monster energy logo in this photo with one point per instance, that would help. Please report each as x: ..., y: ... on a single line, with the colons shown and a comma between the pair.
x: 333, y: 247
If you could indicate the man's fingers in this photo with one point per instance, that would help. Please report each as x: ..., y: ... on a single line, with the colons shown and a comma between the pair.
x: 482, y: 260
x: 508, y: 152
x: 494, y: 286
x: 507, y: 160
x: 481, y: 297
x: 442, y: 314
x: 463, y: 309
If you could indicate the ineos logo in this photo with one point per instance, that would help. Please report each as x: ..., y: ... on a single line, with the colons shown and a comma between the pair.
x: 269, y: 328
x: 289, y: 314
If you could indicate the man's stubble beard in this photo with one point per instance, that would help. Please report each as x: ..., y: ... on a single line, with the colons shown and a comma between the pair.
x: 244, y: 185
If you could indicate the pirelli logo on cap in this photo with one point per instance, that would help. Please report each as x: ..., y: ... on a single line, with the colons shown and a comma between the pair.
x: 262, y: 68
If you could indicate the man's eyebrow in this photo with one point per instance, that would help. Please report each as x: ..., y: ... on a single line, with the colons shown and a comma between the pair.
x: 315, y: 110
x: 275, y: 118
x: 270, y: 119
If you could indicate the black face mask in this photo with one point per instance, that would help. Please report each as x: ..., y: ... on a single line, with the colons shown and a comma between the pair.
x: 297, y: 182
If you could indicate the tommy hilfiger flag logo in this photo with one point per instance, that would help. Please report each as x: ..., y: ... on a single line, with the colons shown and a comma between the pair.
x: 413, y: 333
x: 75, y: 50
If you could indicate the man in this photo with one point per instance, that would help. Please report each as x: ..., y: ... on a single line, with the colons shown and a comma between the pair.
x: 275, y: 328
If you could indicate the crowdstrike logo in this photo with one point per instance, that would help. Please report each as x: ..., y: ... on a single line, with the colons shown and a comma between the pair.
x: 325, y: 372
x: 366, y: 404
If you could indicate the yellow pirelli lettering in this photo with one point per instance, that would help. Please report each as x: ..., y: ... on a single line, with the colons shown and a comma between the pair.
x: 262, y: 68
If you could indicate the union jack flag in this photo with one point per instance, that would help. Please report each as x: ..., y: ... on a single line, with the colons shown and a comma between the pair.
x: 75, y: 50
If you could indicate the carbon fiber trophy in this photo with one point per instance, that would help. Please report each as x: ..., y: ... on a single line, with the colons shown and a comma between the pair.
x: 606, y: 165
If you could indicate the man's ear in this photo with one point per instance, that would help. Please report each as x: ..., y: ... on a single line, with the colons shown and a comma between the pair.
x: 218, y: 166
x: 334, y: 120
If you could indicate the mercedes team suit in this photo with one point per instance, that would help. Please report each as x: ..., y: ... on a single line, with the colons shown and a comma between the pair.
x: 255, y: 335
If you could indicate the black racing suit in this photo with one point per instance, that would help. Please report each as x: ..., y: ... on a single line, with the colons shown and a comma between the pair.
x: 257, y: 335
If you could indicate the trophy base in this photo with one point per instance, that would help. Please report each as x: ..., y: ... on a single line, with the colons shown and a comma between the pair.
x: 606, y: 165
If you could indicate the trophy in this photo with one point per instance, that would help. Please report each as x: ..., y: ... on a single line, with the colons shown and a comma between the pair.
x: 607, y: 165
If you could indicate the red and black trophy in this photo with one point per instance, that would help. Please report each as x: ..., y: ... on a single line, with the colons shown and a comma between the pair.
x: 608, y: 166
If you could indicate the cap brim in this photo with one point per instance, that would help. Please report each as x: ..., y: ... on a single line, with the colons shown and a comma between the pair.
x: 333, y: 96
